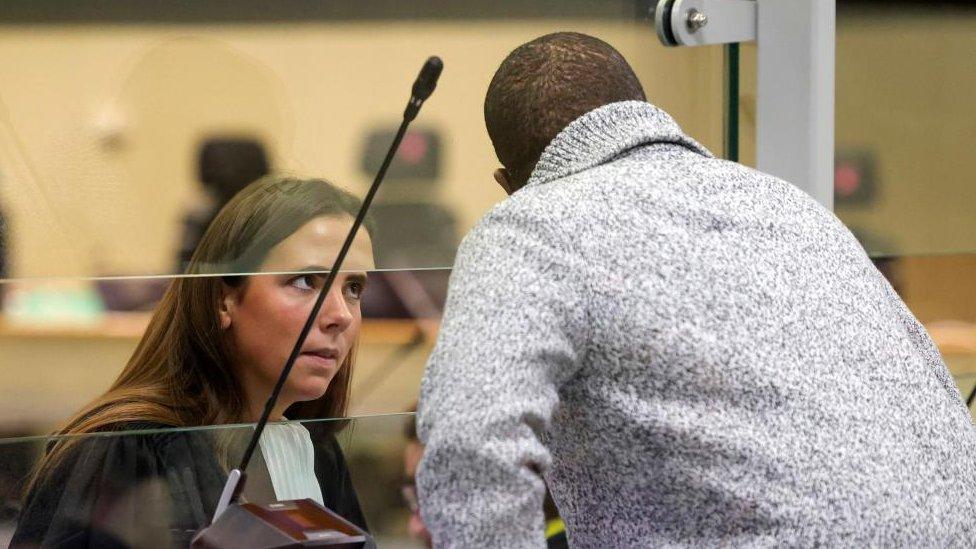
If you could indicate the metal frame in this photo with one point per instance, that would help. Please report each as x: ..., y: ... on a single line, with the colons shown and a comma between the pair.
x: 795, y: 95
x: 701, y: 22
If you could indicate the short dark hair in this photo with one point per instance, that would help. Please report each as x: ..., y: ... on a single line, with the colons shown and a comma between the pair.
x: 545, y: 84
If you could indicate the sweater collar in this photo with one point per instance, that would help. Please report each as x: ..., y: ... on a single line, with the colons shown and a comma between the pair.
x: 605, y: 133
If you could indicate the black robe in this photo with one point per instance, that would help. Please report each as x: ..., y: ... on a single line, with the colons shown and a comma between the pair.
x: 158, y: 489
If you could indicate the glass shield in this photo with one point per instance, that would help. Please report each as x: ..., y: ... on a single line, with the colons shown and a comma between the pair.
x: 126, y: 127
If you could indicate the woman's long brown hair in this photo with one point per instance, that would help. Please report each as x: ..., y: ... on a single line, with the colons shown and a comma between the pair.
x: 180, y: 373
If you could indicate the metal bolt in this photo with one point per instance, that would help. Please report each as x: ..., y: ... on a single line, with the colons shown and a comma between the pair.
x: 696, y: 20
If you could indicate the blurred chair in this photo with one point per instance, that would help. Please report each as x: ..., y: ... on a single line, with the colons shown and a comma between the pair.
x: 225, y: 165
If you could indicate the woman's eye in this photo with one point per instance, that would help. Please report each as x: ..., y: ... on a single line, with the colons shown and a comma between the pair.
x: 354, y: 290
x: 304, y: 282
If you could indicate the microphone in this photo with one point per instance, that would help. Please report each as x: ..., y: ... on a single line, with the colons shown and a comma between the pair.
x: 303, y: 522
x: 423, y: 86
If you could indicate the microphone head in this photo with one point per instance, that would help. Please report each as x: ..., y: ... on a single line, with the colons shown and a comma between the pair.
x: 427, y: 79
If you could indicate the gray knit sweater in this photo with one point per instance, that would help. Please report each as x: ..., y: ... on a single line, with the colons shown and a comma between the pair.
x: 692, y: 353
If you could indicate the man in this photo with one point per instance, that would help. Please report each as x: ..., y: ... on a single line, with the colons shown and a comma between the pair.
x: 691, y: 352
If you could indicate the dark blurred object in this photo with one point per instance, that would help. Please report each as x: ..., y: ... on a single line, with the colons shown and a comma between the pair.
x: 406, y: 294
x: 136, y: 294
x: 413, y: 235
x: 418, y: 157
x: 879, y: 250
x: 555, y: 527
x: 888, y: 267
x: 225, y: 165
x: 412, y: 454
x: 16, y: 461
x: 413, y: 231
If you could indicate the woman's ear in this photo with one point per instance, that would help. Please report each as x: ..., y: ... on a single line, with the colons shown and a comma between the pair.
x: 228, y: 305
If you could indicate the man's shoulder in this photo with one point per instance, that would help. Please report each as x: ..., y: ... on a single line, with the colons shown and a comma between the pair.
x: 556, y: 202
x: 529, y: 215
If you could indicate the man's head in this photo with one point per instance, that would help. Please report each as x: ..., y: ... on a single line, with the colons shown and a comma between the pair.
x: 544, y: 85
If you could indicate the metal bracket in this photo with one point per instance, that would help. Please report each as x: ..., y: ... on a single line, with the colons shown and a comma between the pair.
x: 702, y: 22
x: 795, y: 76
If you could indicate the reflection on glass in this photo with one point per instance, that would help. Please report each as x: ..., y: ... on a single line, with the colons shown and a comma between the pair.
x: 96, y: 179
x: 157, y: 487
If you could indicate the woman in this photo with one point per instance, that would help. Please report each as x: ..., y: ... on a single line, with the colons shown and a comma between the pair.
x: 210, y: 356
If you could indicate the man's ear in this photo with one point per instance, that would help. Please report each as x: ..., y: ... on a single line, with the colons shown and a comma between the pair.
x: 505, y: 180
x: 228, y: 305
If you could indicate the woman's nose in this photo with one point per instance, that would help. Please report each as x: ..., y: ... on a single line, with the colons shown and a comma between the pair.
x: 335, y: 315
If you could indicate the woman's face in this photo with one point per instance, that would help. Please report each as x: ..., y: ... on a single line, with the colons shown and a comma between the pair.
x: 264, y: 316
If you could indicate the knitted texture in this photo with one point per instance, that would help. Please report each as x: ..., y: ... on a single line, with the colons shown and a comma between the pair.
x: 692, y: 353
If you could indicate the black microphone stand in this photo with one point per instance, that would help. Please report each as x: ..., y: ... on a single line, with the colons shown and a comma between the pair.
x: 422, y: 89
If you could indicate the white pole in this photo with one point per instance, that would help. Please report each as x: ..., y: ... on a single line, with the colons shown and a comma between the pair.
x: 795, y: 95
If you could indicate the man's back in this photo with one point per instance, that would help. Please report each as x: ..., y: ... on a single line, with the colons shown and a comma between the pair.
x: 729, y: 365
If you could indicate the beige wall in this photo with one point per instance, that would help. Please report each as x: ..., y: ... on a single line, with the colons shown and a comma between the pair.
x: 100, y: 123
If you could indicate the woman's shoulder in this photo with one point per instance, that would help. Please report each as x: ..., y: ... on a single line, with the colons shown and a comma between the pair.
x: 125, y: 443
x: 142, y: 445
x: 125, y: 468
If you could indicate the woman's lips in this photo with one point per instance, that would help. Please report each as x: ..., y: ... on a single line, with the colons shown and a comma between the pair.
x: 323, y: 358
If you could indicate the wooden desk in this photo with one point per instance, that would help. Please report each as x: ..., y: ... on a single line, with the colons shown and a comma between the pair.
x: 50, y: 370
